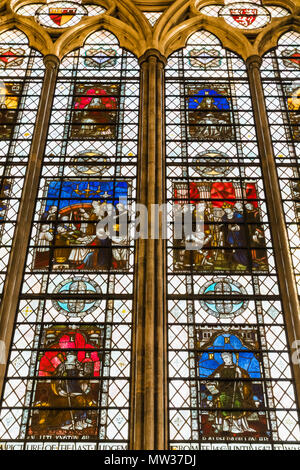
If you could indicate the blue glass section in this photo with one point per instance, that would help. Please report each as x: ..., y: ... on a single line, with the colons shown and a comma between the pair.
x: 242, y: 357
x: 219, y: 101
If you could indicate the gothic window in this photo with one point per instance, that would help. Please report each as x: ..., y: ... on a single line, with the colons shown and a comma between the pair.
x: 112, y: 335
x: 281, y: 76
x: 21, y: 73
x: 245, y: 15
x: 153, y: 17
x: 59, y: 14
x: 229, y: 368
x: 69, y: 369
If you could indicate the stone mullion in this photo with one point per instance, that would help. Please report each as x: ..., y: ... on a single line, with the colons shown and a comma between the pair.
x: 287, y: 283
x: 18, y: 255
x: 148, y: 415
x: 161, y: 311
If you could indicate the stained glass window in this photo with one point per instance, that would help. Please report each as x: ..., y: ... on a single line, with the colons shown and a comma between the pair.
x: 230, y: 381
x: 153, y: 16
x: 59, y: 14
x: 281, y: 75
x: 245, y: 15
x: 21, y: 73
x: 69, y: 372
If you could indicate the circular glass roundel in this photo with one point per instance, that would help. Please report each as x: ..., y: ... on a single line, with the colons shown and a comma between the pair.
x: 60, y: 14
x: 76, y: 306
x: 90, y: 163
x: 245, y: 15
x: 223, y: 304
x: 212, y: 163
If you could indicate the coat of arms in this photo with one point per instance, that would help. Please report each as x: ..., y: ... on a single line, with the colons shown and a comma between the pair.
x: 244, y: 16
x: 61, y: 16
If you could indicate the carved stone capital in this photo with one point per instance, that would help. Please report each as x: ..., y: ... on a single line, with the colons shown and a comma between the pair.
x: 155, y: 53
x: 51, y: 61
x: 254, y: 61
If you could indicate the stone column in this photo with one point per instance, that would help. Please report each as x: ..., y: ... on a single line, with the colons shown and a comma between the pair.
x: 17, y: 259
x: 287, y: 283
x: 148, y: 404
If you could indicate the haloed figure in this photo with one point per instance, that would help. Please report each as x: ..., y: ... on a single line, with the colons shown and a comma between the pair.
x: 235, y: 236
x: 231, y: 393
x: 74, y: 391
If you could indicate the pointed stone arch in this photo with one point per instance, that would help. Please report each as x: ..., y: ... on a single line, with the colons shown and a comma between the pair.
x: 126, y: 35
x: 38, y: 38
x: 231, y: 39
x: 270, y: 36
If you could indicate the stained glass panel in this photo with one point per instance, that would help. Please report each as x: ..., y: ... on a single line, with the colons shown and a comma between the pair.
x: 153, y: 16
x: 21, y: 73
x: 59, y: 14
x: 281, y: 74
x: 68, y: 381
x: 245, y: 15
x: 230, y: 381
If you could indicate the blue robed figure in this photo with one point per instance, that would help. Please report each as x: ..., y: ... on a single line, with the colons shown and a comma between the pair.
x: 235, y: 235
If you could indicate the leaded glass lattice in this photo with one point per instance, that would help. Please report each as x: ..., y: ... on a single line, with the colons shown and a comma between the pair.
x: 68, y: 378
x: 245, y: 15
x: 153, y: 16
x: 21, y: 74
x: 281, y: 75
x: 59, y: 14
x: 230, y: 382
